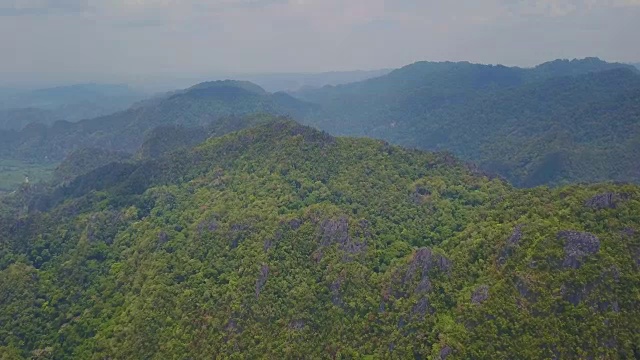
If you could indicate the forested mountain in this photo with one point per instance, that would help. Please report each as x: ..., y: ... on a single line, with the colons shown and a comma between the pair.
x: 562, y: 121
x: 295, y: 82
x: 202, y: 105
x: 280, y: 241
x: 18, y: 118
x: 70, y: 103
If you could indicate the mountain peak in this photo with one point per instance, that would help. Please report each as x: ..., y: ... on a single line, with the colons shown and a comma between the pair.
x: 578, y: 66
x: 245, y: 85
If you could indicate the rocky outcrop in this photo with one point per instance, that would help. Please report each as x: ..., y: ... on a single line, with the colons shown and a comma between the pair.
x: 262, y: 279
x: 425, y: 260
x: 335, y: 290
x: 207, y: 225
x: 578, y: 246
x: 602, y: 201
x: 445, y: 352
x: 480, y: 294
x: 238, y: 233
x: 336, y: 231
x: 420, y: 195
x: 297, y: 324
x: 420, y: 309
x: 511, y: 245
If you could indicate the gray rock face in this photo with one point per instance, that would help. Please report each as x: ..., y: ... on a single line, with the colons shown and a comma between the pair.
x: 334, y: 289
x: 419, y: 310
x: 295, y: 224
x: 425, y: 260
x: 445, y: 352
x: 336, y: 231
x: 298, y: 324
x: 602, y: 201
x: 262, y: 279
x: 512, y: 244
x: 480, y: 294
x: 515, y: 237
x: 577, y: 246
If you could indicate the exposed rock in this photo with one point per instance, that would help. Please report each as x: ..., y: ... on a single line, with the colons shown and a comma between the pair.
x: 163, y: 238
x: 424, y: 286
x: 210, y: 226
x: 419, y: 310
x: 420, y: 195
x: 268, y: 243
x: 613, y: 306
x: 480, y: 294
x: 515, y: 237
x: 337, y: 232
x: 524, y: 290
x: 511, y: 245
x: 445, y: 352
x: 422, y: 191
x: 317, y: 256
x: 238, y: 234
x: 629, y: 232
x: 364, y: 230
x: 577, y: 246
x: 602, y: 201
x: 297, y: 324
x: 334, y: 288
x: 295, y: 224
x: 262, y: 279
x: 425, y: 260
x: 334, y: 231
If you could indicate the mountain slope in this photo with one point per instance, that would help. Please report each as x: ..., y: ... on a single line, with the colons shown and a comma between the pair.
x: 70, y: 103
x: 509, y: 120
x: 201, y: 105
x: 280, y: 241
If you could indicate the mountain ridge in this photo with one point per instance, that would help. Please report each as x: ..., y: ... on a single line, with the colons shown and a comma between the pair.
x: 419, y: 104
x: 280, y: 240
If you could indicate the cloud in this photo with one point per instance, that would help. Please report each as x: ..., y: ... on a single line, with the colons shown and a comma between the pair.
x: 557, y: 8
x: 133, y: 37
x: 41, y: 7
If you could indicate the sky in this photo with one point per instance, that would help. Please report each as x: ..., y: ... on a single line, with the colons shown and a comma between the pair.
x: 66, y: 41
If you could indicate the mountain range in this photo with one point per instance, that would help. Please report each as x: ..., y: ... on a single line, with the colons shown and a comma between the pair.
x: 199, y: 106
x: 560, y: 122
x: 70, y: 103
x: 281, y: 241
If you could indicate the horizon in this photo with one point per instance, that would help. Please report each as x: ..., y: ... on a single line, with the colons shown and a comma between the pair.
x: 163, y: 83
x: 124, y: 41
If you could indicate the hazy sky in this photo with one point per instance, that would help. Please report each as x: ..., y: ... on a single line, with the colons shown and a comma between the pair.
x: 133, y: 40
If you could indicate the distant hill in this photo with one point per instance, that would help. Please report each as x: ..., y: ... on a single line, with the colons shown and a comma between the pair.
x: 70, y: 103
x: 299, y: 81
x: 199, y: 106
x: 280, y: 241
x: 562, y: 121
x: 18, y: 118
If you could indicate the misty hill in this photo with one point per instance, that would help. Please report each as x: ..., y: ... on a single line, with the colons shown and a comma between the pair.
x: 199, y: 106
x: 295, y: 81
x: 562, y: 121
x: 281, y: 240
x: 70, y: 103
x: 18, y: 118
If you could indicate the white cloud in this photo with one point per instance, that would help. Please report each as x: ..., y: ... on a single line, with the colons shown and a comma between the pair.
x: 187, y: 36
